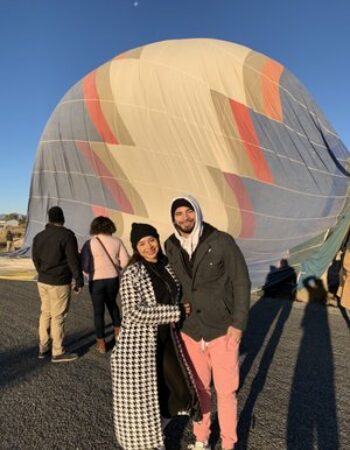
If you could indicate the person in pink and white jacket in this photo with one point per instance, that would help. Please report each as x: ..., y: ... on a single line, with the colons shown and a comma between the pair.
x: 103, y: 258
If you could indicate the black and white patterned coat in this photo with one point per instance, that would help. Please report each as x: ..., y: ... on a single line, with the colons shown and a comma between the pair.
x: 133, y: 361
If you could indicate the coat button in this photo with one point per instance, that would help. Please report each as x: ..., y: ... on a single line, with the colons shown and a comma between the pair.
x: 198, y: 311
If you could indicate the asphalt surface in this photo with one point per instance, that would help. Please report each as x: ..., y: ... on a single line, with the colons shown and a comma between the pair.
x: 294, y: 395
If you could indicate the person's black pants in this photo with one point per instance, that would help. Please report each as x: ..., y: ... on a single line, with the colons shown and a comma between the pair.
x: 104, y: 292
x: 174, y: 395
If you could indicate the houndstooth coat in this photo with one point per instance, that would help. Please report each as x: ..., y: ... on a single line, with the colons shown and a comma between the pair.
x: 133, y: 361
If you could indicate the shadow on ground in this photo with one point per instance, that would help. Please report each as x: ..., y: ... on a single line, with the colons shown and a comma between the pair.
x: 22, y: 363
x: 312, y: 413
x: 265, y: 327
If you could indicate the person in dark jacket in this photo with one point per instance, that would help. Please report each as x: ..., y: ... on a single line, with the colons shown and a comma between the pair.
x: 215, y: 280
x: 56, y: 259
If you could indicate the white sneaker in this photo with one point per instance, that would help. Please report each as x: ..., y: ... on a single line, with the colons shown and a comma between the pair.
x: 199, y: 446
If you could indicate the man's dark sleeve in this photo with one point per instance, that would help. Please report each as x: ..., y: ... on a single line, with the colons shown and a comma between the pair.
x: 73, y: 259
x: 35, y: 256
x: 238, y: 273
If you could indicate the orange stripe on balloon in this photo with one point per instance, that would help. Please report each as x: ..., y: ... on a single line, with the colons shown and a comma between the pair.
x: 92, y: 103
x: 270, y: 87
x: 107, y: 178
x: 250, y: 141
x: 244, y: 203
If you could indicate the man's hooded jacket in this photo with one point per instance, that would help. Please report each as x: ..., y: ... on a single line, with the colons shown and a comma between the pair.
x: 214, y: 279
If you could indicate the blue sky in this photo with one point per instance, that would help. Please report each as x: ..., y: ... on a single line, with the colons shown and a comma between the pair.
x: 48, y: 45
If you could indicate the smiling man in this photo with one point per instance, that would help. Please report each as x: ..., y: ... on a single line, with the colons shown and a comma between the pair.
x: 215, y: 280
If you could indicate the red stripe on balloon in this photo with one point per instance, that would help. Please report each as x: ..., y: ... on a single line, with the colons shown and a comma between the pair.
x: 250, y: 141
x: 92, y: 103
x: 244, y: 203
x: 98, y: 210
x: 107, y: 178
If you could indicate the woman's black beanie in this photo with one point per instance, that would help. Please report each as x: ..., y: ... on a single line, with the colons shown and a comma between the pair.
x: 141, y: 230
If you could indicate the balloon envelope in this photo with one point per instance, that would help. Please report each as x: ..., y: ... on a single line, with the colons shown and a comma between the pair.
x: 214, y: 119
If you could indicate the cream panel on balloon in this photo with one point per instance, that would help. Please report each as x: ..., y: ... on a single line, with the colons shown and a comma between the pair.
x: 109, y: 107
x: 189, y: 130
x: 189, y: 125
x: 224, y: 70
x: 181, y: 156
x: 177, y: 58
x: 158, y: 178
x: 135, y: 84
x: 195, y: 119
x: 205, y: 61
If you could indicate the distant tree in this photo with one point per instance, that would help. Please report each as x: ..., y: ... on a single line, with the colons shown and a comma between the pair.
x: 12, y: 216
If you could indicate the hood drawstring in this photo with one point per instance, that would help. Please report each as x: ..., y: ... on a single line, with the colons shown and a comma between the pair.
x: 204, y: 344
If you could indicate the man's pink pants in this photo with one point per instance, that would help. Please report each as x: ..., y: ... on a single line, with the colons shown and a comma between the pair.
x: 219, y: 359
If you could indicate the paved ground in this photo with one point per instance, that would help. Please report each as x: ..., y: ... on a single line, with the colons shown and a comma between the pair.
x: 295, y: 380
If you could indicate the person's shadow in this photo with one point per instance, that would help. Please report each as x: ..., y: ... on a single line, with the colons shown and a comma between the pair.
x: 264, y: 314
x: 280, y: 281
x: 312, y: 413
x: 316, y: 290
x: 333, y: 284
x: 271, y: 310
x: 344, y: 312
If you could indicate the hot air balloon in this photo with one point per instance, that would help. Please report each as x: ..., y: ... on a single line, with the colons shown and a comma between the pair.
x: 214, y: 119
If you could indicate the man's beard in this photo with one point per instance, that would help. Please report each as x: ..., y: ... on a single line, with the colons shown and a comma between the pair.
x: 187, y: 230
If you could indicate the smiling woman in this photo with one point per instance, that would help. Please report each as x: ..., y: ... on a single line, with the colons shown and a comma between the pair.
x: 148, y: 355
x: 148, y: 248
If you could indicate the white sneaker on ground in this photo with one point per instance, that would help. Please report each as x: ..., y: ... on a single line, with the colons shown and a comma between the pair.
x: 199, y: 446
